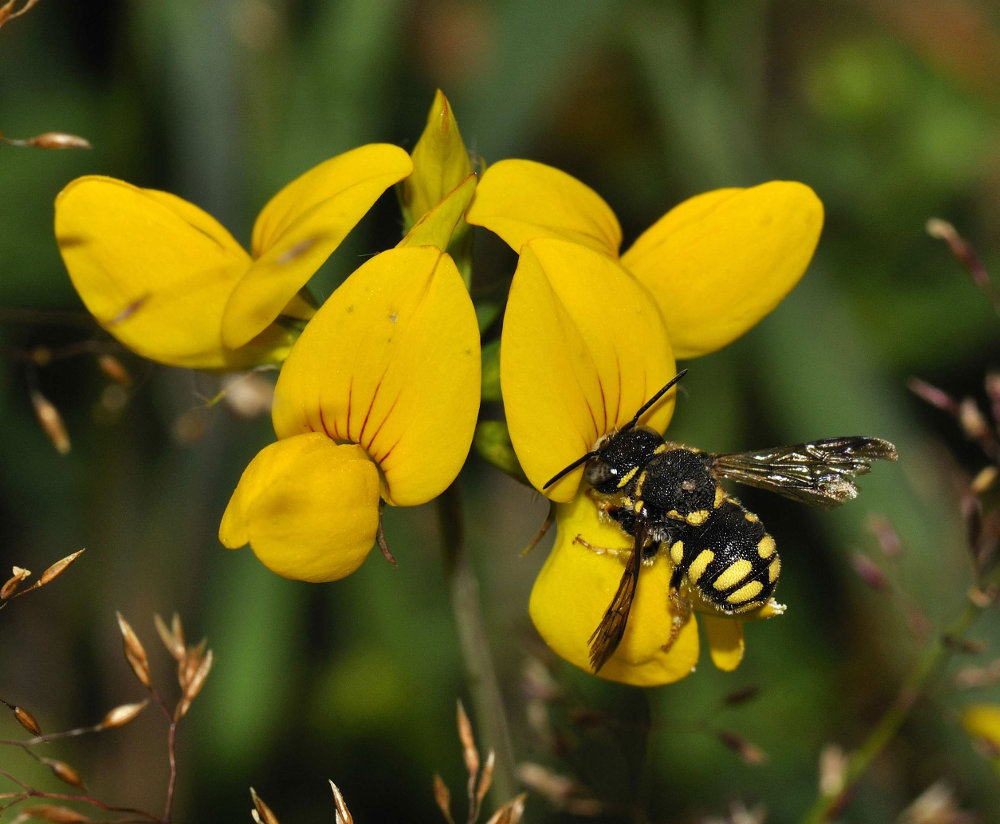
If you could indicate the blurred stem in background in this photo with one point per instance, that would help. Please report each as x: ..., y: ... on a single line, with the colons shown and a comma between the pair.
x: 476, y: 655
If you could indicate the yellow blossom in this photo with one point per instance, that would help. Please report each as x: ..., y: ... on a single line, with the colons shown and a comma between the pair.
x: 589, y: 337
x: 376, y: 401
x: 171, y: 283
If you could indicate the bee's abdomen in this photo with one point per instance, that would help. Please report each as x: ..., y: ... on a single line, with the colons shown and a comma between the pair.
x: 730, y: 559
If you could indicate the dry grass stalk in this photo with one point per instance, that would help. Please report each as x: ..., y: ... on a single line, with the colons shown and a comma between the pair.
x: 122, y: 715
x: 50, y: 140
x: 51, y: 812
x: 135, y: 654
x: 27, y: 720
x: 64, y: 772
x: 57, y: 569
x: 748, y: 752
x: 442, y: 797
x: 561, y: 791
x: 261, y: 812
x: 510, y: 813
x: 13, y: 584
x: 51, y: 422
x: 7, y: 12
x: 343, y: 814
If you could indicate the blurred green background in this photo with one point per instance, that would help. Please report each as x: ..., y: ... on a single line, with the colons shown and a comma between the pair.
x: 888, y: 110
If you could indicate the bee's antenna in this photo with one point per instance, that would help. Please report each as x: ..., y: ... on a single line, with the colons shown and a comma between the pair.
x: 593, y: 453
x: 653, y: 400
x: 570, y: 468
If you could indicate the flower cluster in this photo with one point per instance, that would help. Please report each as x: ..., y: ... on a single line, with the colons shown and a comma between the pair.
x: 378, y: 395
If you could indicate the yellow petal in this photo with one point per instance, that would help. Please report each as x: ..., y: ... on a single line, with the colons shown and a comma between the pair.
x: 438, y: 224
x: 575, y: 587
x: 520, y: 200
x: 299, y: 228
x: 440, y: 162
x: 391, y: 362
x: 719, y: 262
x: 725, y: 640
x: 155, y: 271
x: 308, y: 508
x: 583, y: 347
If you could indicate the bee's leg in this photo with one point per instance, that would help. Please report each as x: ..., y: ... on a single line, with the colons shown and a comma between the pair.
x: 680, y: 609
x: 622, y: 553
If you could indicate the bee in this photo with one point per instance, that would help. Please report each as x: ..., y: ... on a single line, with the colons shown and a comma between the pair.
x: 667, y: 497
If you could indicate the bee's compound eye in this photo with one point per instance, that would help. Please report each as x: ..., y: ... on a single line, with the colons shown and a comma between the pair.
x: 601, y: 474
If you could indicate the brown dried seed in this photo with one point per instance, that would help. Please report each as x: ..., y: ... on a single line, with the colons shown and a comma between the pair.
x: 509, y: 813
x: 984, y: 480
x: 469, y: 752
x: 26, y: 720
x: 58, y: 568
x: 114, y: 369
x: 55, y: 813
x: 442, y: 797
x: 51, y: 421
x: 262, y: 810
x: 748, y: 752
x: 64, y: 772
x: 58, y: 140
x: 134, y: 653
x: 173, y: 641
x: 14, y: 582
x: 486, y: 779
x: 122, y: 714
x: 343, y: 814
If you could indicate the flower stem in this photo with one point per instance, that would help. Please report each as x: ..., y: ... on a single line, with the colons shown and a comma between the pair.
x: 826, y: 807
x: 479, y: 670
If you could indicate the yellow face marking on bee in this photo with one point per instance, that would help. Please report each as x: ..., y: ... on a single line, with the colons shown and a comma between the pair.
x: 660, y: 449
x: 697, y: 518
x: 765, y: 548
x: 720, y: 496
x: 745, y: 593
x: 774, y: 570
x: 628, y: 477
x: 637, y: 507
x: 750, y: 517
x: 677, y: 552
x: 733, y: 574
x: 697, y: 568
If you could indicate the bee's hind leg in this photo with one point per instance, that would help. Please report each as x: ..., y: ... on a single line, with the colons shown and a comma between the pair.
x: 622, y: 553
x: 680, y: 609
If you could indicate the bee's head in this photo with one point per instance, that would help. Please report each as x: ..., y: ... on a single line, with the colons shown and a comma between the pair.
x: 618, y: 456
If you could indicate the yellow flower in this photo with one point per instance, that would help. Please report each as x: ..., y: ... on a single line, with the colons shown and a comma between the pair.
x: 715, y: 264
x: 172, y: 284
x: 982, y: 722
x: 377, y: 400
x: 588, y: 338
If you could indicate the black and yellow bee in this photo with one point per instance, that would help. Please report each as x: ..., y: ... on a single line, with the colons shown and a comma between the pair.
x: 667, y: 497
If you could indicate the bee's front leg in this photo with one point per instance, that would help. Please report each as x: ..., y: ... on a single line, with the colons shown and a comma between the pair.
x: 622, y: 553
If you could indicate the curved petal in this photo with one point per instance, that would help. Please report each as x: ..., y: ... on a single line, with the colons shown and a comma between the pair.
x: 719, y: 262
x: 155, y: 271
x: 583, y: 347
x: 391, y: 362
x: 438, y: 223
x: 575, y: 587
x: 520, y: 200
x: 440, y: 161
x: 301, y: 226
x: 725, y: 640
x: 308, y: 508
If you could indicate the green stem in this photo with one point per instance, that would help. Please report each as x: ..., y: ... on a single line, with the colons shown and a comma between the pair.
x: 930, y: 663
x: 480, y: 673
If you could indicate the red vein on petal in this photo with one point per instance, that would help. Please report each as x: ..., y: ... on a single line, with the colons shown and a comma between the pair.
x: 322, y: 421
x: 371, y: 405
x: 350, y: 395
x: 379, y: 429
x: 388, y: 452
x: 618, y: 406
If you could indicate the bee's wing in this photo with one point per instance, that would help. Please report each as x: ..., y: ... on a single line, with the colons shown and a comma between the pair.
x: 609, y: 633
x: 819, y: 472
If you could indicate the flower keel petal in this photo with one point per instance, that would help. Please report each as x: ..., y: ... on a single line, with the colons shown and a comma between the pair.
x: 308, y: 508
